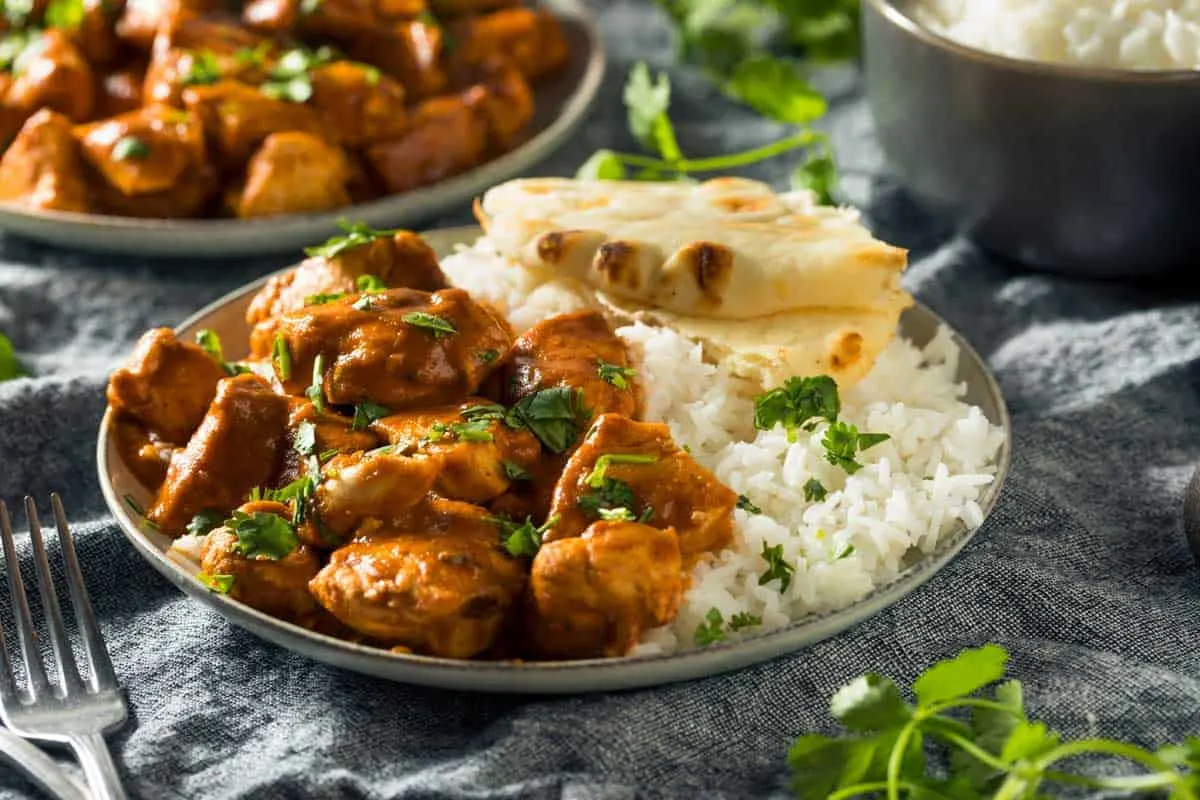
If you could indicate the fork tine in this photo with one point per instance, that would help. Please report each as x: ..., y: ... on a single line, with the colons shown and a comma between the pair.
x: 24, y: 620
x: 103, y: 676
x: 68, y: 673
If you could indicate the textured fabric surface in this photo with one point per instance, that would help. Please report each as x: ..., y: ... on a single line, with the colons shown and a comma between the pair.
x: 1082, y: 571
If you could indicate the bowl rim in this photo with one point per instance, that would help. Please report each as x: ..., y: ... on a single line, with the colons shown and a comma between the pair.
x: 895, y: 12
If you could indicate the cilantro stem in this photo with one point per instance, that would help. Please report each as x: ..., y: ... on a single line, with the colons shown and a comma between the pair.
x: 1129, y: 752
x: 731, y: 161
x: 859, y: 789
x: 899, y: 750
x: 967, y: 746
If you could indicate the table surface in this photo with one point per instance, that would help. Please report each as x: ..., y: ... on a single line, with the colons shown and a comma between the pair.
x: 1082, y: 572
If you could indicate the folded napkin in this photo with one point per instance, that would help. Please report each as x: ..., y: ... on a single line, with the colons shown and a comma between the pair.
x: 1081, y: 572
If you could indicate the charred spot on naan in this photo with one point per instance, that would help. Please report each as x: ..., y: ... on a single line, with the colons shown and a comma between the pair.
x: 711, y: 266
x: 845, y: 348
x: 559, y: 248
x: 616, y: 262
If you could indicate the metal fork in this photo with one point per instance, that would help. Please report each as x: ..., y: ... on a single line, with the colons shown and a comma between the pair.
x: 73, y: 711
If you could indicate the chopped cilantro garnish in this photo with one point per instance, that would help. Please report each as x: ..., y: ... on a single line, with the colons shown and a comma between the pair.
x: 596, y: 478
x: 370, y: 284
x: 515, y: 472
x: 10, y: 366
x: 554, y: 416
x: 438, y: 326
x: 616, y: 375
x: 130, y: 148
x: 211, y: 343
x: 485, y: 411
x: 524, y: 539
x: 281, y: 356
x: 203, y: 69
x: 474, y: 430
x: 323, y: 298
x: 262, y: 534
x: 356, y: 234
x: 612, y: 493
x: 221, y: 584
x: 64, y: 14
x: 205, y: 521
x: 777, y: 568
x: 814, y: 491
x: 305, y: 440
x: 298, y: 493
x: 315, y: 392
x: 134, y: 506
x: 711, y: 630
x: 843, y: 441
x: 845, y: 552
x: 290, y: 80
x: 367, y: 412
x: 744, y: 619
x: 253, y: 56
x: 744, y: 504
x: 799, y: 404
x: 364, y: 303
x: 621, y: 514
x: 487, y: 356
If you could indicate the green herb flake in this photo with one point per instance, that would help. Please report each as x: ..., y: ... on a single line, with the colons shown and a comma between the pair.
x: 621, y: 514
x: 18, y: 11
x: 845, y: 552
x: 613, y: 374
x: 134, y: 506
x: 746, y: 505
x: 555, y: 416
x: 10, y: 366
x: 253, y: 56
x: 487, y: 356
x: 130, y: 148
x: 604, y: 165
x: 777, y: 567
x: 316, y: 390
x: 355, y: 234
x: 515, y: 472
x: 298, y: 492
x: 203, y: 69
x: 221, y: 584
x: 711, y: 630
x: 814, y: 491
x: 800, y: 404
x: 323, y: 298
x: 522, y: 540
x: 743, y: 620
x: 262, y: 535
x: 367, y: 412
x: 65, y: 14
x: 370, y: 284
x: 842, y: 442
x: 474, y: 430
x: 595, y: 478
x: 204, y: 522
x: 612, y: 493
x: 211, y: 344
x: 281, y: 357
x: 440, y: 327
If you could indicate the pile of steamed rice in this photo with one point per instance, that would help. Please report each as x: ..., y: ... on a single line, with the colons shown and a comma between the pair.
x: 914, y: 489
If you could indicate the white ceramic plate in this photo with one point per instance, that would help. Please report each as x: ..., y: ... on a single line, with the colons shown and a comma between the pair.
x: 561, y: 104
x: 226, y: 317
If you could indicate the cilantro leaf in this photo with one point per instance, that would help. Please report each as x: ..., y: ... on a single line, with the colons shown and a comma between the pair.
x: 744, y: 504
x: 711, y: 630
x: 647, y: 102
x: 487, y: 356
x: 440, y: 327
x: 370, y: 284
x: 842, y: 442
x: 316, y: 390
x: 814, y: 491
x: 202, y: 70
x: 967, y: 672
x: 621, y: 514
x: 356, y: 234
x: 10, y: 366
x: 614, y: 374
x: 473, y: 430
x: 555, y: 416
x: 367, y: 412
x: 322, y: 298
x: 281, y: 356
x: 801, y: 403
x: 744, y: 619
x: 64, y: 14
x: 595, y: 478
x: 612, y: 493
x: 525, y: 539
x: 221, y: 584
x: 870, y: 703
x: 777, y: 568
x: 130, y: 148
x: 845, y: 552
x: 262, y: 534
x: 204, y: 522
x: 603, y: 165
x: 514, y: 471
x: 774, y: 88
x: 817, y: 172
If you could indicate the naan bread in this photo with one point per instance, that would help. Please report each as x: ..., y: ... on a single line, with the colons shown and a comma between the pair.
x: 727, y: 249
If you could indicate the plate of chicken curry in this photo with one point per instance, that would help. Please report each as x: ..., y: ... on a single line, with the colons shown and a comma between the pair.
x: 550, y: 454
x: 185, y: 128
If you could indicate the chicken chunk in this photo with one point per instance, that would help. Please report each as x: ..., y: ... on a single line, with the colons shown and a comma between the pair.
x: 507, y: 104
x: 54, y: 75
x: 446, y: 138
x: 273, y: 17
x: 141, y: 20
x: 399, y: 348
x: 357, y: 104
x: 363, y: 486
x: 166, y: 385
x: 120, y: 91
x: 649, y: 476
x: 96, y: 35
x: 578, y: 350
x: 402, y: 260
x: 480, y: 458
x: 42, y: 167
x: 438, y: 584
x: 199, y: 50
x: 274, y: 582
x: 532, y: 40
x: 594, y: 595
x: 236, y: 448
x: 293, y: 173
x: 411, y: 52
x: 146, y: 456
x: 152, y: 149
x: 238, y: 118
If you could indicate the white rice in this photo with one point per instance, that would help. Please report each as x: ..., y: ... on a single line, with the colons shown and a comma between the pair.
x: 1124, y: 34
x: 913, y: 490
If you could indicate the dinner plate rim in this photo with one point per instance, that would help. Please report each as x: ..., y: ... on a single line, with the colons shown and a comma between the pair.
x: 221, y: 237
x: 560, y: 677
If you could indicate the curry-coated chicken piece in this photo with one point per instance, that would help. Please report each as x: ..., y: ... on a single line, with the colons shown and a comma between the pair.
x: 507, y: 104
x: 636, y: 465
x: 411, y: 51
x: 481, y: 456
x: 293, y: 173
x: 42, y: 168
x: 11, y: 117
x: 532, y: 40
x: 96, y: 35
x: 274, y: 579
x: 275, y: 17
x: 455, y: 8
x: 401, y: 259
x: 120, y: 91
x: 141, y: 20
x: 166, y: 385
x: 594, y: 595
x: 357, y: 103
x: 237, y: 447
x: 237, y: 118
x: 145, y: 151
x: 311, y: 433
x: 54, y: 75
x: 146, y: 456
x: 445, y: 138
x: 400, y: 348
x: 381, y: 486
x: 579, y: 350
x: 437, y: 583
x: 199, y: 50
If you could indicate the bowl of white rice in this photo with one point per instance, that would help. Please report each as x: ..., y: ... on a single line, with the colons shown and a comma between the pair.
x: 1061, y: 134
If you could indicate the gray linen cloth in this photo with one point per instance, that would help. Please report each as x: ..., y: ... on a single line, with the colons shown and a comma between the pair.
x: 1081, y: 572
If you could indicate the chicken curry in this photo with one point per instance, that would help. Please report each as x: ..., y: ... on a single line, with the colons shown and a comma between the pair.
x: 392, y: 465
x: 188, y: 108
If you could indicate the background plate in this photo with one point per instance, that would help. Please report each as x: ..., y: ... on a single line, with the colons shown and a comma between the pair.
x: 227, y: 317
x: 561, y: 104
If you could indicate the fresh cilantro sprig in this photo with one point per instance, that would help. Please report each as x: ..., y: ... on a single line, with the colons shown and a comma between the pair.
x: 814, y: 491
x: 221, y: 584
x: 991, y: 746
x: 356, y: 234
x: 778, y: 567
x: 800, y: 404
x: 262, y: 534
x: 615, y: 374
x: 843, y: 441
x: 555, y: 416
x: 524, y: 539
x: 439, y: 327
x: 367, y: 412
x: 291, y: 79
x: 714, y: 628
x: 747, y: 505
x: 211, y: 344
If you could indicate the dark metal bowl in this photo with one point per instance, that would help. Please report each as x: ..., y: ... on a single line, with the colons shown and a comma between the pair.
x: 1093, y: 172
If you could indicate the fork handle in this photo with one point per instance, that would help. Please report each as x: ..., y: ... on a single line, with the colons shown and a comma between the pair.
x: 98, y: 766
